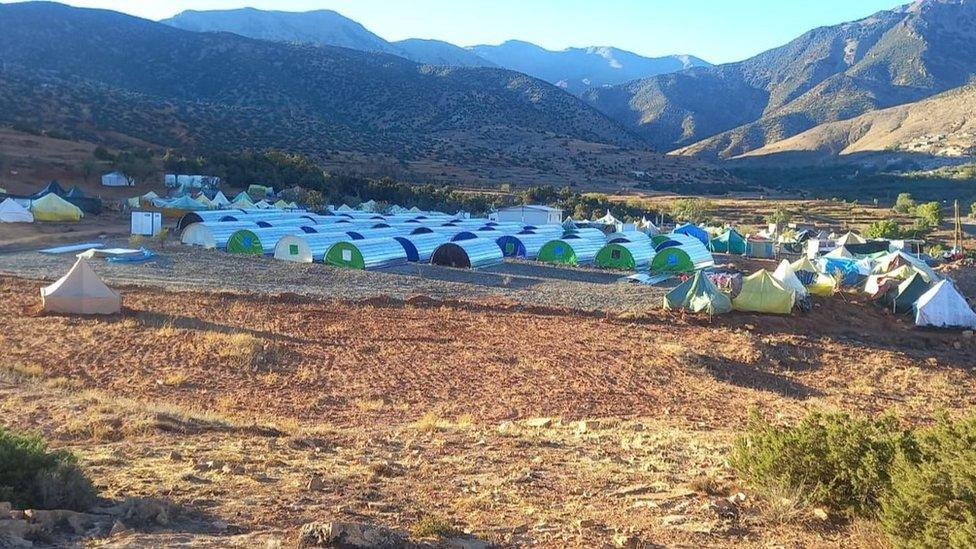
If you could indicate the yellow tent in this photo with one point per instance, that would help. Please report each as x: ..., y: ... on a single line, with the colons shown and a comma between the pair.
x: 281, y: 205
x: 824, y: 285
x: 52, y: 207
x: 762, y: 293
x: 202, y: 199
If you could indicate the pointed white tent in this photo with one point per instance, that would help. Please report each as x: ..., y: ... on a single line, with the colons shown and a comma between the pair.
x: 81, y: 292
x: 220, y: 200
x: 785, y: 274
x: 850, y: 238
x: 944, y: 307
x: 12, y: 212
x: 344, y: 208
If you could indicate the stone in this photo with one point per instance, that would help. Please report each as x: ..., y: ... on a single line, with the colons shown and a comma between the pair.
x: 820, y: 513
x: 350, y: 535
x: 13, y: 527
x: 539, y: 422
x: 465, y: 543
x: 51, y: 520
x: 10, y: 541
x: 315, y: 484
x: 5, y: 508
x: 627, y: 541
x: 118, y: 528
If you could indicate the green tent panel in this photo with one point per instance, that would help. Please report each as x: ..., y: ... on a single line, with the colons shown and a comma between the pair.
x: 729, y: 242
x: 761, y: 293
x: 908, y: 293
x: 698, y: 294
x: 345, y: 254
x: 658, y: 239
x: 672, y: 260
x: 245, y: 242
x: 580, y: 251
x: 625, y: 256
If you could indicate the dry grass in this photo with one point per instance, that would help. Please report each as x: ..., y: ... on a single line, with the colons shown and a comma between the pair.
x: 243, y: 350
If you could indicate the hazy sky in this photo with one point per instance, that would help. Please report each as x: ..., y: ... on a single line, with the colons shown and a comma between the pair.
x: 716, y: 30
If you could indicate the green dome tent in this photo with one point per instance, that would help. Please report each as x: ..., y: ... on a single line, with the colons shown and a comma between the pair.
x: 696, y: 295
x: 580, y: 251
x: 729, y: 242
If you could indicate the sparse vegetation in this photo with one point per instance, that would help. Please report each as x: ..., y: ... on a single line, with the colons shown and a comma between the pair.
x: 431, y: 526
x: 904, y: 204
x: 885, y: 228
x: 31, y: 476
x: 694, y: 210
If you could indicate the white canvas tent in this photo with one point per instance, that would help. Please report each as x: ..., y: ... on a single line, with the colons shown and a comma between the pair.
x: 785, y: 274
x: 117, y: 179
x: 944, y: 307
x: 12, y: 212
x: 220, y: 200
x: 80, y: 292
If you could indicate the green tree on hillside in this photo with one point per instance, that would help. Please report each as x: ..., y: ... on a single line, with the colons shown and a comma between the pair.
x: 904, y: 204
x: 930, y: 213
x: 885, y: 228
x: 694, y: 210
x: 780, y: 216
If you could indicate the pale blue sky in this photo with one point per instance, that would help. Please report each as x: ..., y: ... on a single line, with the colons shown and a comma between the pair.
x: 716, y: 30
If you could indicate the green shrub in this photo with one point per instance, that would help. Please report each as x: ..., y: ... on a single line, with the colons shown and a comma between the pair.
x: 932, y: 500
x: 885, y: 228
x: 33, y: 477
x: 430, y: 526
x: 830, y: 459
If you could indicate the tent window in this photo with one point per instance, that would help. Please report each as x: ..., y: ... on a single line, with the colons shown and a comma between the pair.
x: 559, y: 250
x: 614, y: 254
x: 293, y: 249
x: 509, y: 248
x: 347, y: 255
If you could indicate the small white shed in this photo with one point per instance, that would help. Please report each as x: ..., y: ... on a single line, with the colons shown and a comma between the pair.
x: 530, y: 215
x: 117, y: 179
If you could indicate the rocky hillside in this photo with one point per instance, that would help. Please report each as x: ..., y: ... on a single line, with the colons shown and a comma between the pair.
x: 828, y: 74
x: 579, y: 69
x: 92, y: 73
x: 944, y: 125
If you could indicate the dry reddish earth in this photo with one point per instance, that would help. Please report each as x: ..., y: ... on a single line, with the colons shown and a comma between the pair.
x: 427, y: 407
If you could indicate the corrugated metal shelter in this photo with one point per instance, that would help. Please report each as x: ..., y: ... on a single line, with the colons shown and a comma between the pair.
x: 468, y: 254
x: 526, y: 246
x: 589, y: 233
x: 629, y: 236
x: 685, y: 258
x: 212, y: 234
x: 370, y: 233
x: 209, y: 215
x: 578, y: 251
x: 419, y: 247
x: 260, y: 241
x: 307, y: 248
x: 369, y: 254
x: 471, y: 235
x: 626, y: 256
x: 674, y: 240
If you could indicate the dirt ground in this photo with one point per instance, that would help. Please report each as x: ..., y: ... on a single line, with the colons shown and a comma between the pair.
x: 253, y: 413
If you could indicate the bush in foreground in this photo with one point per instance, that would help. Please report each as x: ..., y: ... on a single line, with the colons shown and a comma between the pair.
x: 33, y: 477
x: 932, y: 501
x: 828, y: 459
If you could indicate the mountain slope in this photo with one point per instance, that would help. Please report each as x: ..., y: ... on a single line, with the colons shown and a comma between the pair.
x: 438, y: 52
x: 827, y: 74
x: 92, y: 73
x: 944, y: 125
x: 579, y: 69
x: 323, y: 27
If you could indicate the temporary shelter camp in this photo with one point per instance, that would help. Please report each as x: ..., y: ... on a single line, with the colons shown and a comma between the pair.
x: 762, y: 293
x: 610, y: 221
x: 908, y: 293
x: 571, y: 251
x: 178, y: 207
x: 896, y: 259
x: 52, y: 207
x: 212, y: 234
x: 698, y: 294
x: 468, y: 254
x: 419, y: 247
x: 12, y: 212
x: 729, y: 242
x: 117, y: 179
x: 628, y: 236
x: 944, y: 307
x: 80, y: 292
x: 372, y: 253
x: 526, y: 246
x: 306, y: 248
x: 626, y: 256
x: 693, y: 230
x: 785, y: 275
x: 688, y: 256
x: 757, y: 246
x: 261, y: 241
x: 850, y: 238
x: 840, y: 252
x: 880, y: 285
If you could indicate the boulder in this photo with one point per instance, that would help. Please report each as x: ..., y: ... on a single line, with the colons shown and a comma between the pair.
x: 350, y: 535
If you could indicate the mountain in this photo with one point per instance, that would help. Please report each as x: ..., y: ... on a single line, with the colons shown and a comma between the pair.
x: 324, y: 27
x: 438, y: 52
x: 944, y: 125
x: 96, y: 74
x: 579, y: 69
x: 827, y: 74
